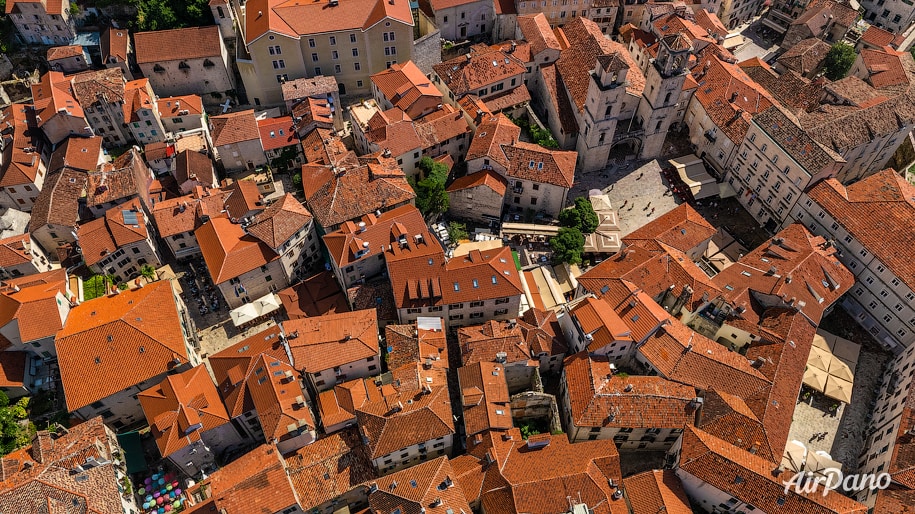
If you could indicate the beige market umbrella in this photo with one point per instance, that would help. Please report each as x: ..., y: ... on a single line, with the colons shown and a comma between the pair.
x: 838, y: 389
x: 819, y: 358
x: 815, y: 378
x: 847, y: 350
x: 840, y: 369
x: 795, y: 455
x: 820, y: 342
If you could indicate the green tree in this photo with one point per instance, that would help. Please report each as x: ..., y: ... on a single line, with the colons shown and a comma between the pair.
x: 431, y: 197
x: 15, y: 431
x: 148, y: 271
x: 839, y: 60
x: 457, y: 231
x: 568, y: 245
x: 580, y: 216
x: 156, y: 15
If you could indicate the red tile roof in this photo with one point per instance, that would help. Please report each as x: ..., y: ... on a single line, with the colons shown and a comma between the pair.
x: 875, y: 36
x: 276, y: 133
x: 255, y: 482
x: 540, y: 478
x: 681, y: 228
x: 428, y: 279
x: 328, y: 468
x: 405, y: 418
x: 244, y: 197
x: 394, y: 131
x: 483, y: 343
x: 555, y: 88
x: 352, y: 242
x: 597, y: 398
x: 80, y: 153
x: 114, y: 43
x: 228, y: 251
x: 181, y: 407
x: 542, y: 332
x: 657, y: 491
x: 729, y: 96
x: 434, y: 491
x: 102, y: 236
x: 34, y: 307
x: 116, y: 181
x: 492, y: 133
x: 806, y: 56
x: 536, y: 30
x: 64, y: 52
x: 422, y: 341
x: 170, y: 107
x: 718, y: 464
x: 12, y: 368
x: 293, y: 18
x: 178, y: 44
x: 484, y: 397
x: 320, y: 86
x: 145, y: 335
x: 233, y: 128
x: 15, y: 250
x: 869, y: 210
x: 233, y: 365
x: 196, y: 167
x: 278, y: 397
x: 279, y: 222
x: 332, y: 340
x: 528, y: 161
x: 407, y: 88
x: 441, y: 125
x: 187, y: 213
x: 21, y: 167
x: 486, y: 66
x: 315, y: 296
x: 53, y: 94
x: 92, y: 87
x: 885, y: 67
x: 485, y: 178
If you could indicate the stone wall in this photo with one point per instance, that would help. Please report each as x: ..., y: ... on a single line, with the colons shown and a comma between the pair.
x: 427, y: 48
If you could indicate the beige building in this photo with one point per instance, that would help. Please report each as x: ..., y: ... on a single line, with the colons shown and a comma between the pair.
x: 101, y: 96
x: 174, y: 67
x: 116, y: 48
x: 182, y: 114
x: 291, y: 41
x: 68, y: 59
x: 42, y: 22
x: 20, y: 257
x: 237, y: 141
x: 57, y: 112
x: 120, y: 243
x: 142, y: 113
x: 23, y: 160
x: 460, y: 19
x: 478, y: 197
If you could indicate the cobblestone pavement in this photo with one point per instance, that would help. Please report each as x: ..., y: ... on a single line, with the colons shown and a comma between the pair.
x: 634, y: 188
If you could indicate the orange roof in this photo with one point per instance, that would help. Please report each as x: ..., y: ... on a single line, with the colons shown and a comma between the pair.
x: 885, y: 67
x: 50, y: 6
x: 492, y: 133
x: 53, y: 94
x: 81, y: 153
x: 535, y: 28
x: 187, y: 213
x: 114, y: 43
x: 278, y: 398
x: 434, y: 491
x: 182, y: 407
x: 407, y: 88
x: 484, y: 397
x: 332, y: 340
x: 233, y: 365
x: 293, y: 18
x: 64, y: 52
x: 136, y: 329
x: 244, y: 197
x: 718, y: 464
x: 483, y: 343
x: 34, y: 305
x: 234, y: 127
x: 279, y: 222
x: 405, y: 418
x: 657, y: 491
x: 681, y: 228
x: 598, y: 318
x: 875, y: 36
x: 486, y: 66
x: 255, y: 482
x: 440, y: 126
x: 172, y: 106
x: 276, y: 133
x: 528, y: 161
x: 419, y: 342
x: 102, y: 236
x: 25, y: 147
x: 178, y: 44
x: 328, y: 468
x: 729, y: 96
x: 542, y: 332
x: 15, y: 250
x: 632, y: 402
x: 317, y: 295
x: 369, y: 238
x: 394, y: 131
x: 485, y: 178
x: 12, y: 368
x: 229, y: 252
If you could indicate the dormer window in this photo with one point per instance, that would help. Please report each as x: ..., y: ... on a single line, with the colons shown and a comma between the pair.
x: 183, y: 66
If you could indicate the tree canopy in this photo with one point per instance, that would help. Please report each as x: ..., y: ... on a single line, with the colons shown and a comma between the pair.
x: 172, y: 14
x: 15, y: 430
x: 431, y: 196
x: 839, y: 60
x: 568, y: 245
x: 580, y: 216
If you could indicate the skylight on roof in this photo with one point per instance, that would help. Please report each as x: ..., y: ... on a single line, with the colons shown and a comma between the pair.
x: 457, y: 287
x: 494, y: 280
x: 475, y: 283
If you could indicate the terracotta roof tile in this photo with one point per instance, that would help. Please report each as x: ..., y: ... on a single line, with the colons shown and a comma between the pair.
x: 142, y: 319
x: 90, y: 87
x: 228, y: 251
x: 319, y: 86
x: 233, y: 128
x: 483, y: 343
x: 322, y: 148
x: 656, y: 491
x: 729, y: 96
x: 806, y: 56
x: 244, y: 197
x: 64, y: 52
x: 52, y: 94
x: 316, y: 111
x: 276, y: 394
x: 24, y: 157
x: 352, y: 242
x: 255, y: 482
x: 328, y: 468
x: 79, y: 153
x: 440, y: 126
x: 114, y: 43
x: 405, y: 418
x: 875, y: 36
x: 12, y: 368
x: 536, y: 29
x: 328, y: 341
x: 509, y: 99
x: 392, y: 130
x: 117, y: 181
x: 528, y: 161
x: 485, y: 397
x: 884, y: 192
x: 419, y: 342
x: 485, y: 178
x: 34, y: 307
x: 542, y: 332
x: 232, y: 366
x: 317, y: 295
x: 173, y: 217
x: 408, y: 88
x: 276, y: 133
x: 493, y: 132
x: 486, y: 66
x: 102, y: 236
x: 334, y: 198
x: 178, y: 44
x: 295, y: 18
x: 555, y: 89
x: 789, y: 88
x: 196, y: 167
x: 681, y: 228
x: 280, y: 221
x: 181, y: 407
x: 884, y: 67
x: 434, y: 492
x: 718, y: 464
x: 599, y: 399
x: 172, y: 106
x: 15, y: 250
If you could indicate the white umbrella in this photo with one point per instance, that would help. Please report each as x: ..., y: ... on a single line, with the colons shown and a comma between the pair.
x: 795, y: 456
